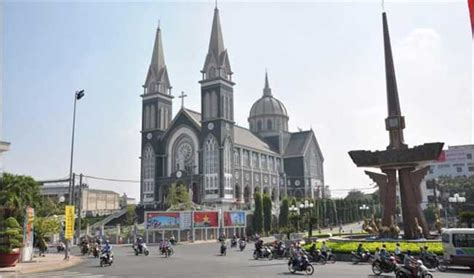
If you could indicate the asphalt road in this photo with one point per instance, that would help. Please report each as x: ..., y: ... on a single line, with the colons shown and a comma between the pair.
x: 202, y: 260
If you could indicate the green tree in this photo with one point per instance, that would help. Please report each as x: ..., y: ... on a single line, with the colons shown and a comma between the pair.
x: 178, y: 197
x: 283, y: 217
x: 267, y: 213
x: 46, y: 225
x: 131, y: 216
x: 258, y: 214
x: 467, y: 217
x: 11, y: 236
x: 17, y: 192
x: 48, y: 207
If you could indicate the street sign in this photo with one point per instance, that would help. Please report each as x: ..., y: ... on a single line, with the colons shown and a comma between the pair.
x: 69, y: 226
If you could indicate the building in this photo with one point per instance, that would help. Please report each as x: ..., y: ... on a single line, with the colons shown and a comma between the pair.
x: 125, y: 201
x: 221, y: 162
x: 455, y: 161
x: 95, y: 202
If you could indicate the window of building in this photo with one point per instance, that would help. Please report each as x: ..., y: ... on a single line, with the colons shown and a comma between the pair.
x: 269, y: 124
x: 469, y: 155
x: 211, y: 166
x: 259, y: 125
x: 236, y: 157
x: 459, y: 169
x: 148, y: 169
x: 443, y: 166
x: 471, y: 168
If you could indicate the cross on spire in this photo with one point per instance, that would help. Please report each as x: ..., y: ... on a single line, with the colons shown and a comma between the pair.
x: 182, y: 96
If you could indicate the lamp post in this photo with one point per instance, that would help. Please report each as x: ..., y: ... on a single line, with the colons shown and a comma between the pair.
x: 364, y: 208
x: 295, y: 211
x: 307, y: 205
x: 456, y: 199
x: 77, y: 96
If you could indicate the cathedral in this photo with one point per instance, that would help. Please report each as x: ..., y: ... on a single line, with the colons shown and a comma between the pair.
x: 222, y: 164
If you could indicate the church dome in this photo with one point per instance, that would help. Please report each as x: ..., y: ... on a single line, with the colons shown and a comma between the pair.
x: 268, y: 115
x: 268, y: 106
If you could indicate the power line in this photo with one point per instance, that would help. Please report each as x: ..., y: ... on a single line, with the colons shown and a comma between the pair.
x: 111, y: 179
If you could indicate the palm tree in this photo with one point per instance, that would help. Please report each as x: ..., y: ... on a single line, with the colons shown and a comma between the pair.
x: 17, y: 192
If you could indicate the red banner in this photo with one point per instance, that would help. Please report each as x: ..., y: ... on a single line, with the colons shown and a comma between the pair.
x: 206, y: 219
x: 442, y: 157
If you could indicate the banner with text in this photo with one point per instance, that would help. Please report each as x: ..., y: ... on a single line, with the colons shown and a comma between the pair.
x: 69, y: 225
x: 234, y: 219
x: 206, y: 219
x: 162, y: 220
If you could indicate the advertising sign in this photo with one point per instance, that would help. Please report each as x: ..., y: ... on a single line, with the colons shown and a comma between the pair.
x: 27, y: 250
x: 162, y: 220
x: 185, y: 220
x: 206, y: 219
x: 69, y: 226
x: 234, y: 219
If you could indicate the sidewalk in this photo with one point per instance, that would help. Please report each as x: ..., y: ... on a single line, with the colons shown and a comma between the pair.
x: 51, y: 262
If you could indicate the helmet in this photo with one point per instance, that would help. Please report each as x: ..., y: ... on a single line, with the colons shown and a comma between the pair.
x: 107, y: 241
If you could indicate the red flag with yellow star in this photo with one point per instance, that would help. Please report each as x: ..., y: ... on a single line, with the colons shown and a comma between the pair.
x: 206, y: 219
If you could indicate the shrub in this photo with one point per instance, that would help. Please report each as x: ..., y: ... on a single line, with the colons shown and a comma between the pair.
x: 347, y: 247
x: 11, y: 236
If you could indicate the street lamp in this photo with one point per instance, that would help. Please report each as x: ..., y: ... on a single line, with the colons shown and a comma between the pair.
x: 295, y: 211
x: 307, y: 205
x: 77, y: 96
x: 456, y: 199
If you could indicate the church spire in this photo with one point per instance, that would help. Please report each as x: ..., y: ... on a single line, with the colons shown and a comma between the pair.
x: 157, y: 79
x: 395, y: 122
x: 217, y: 60
x: 267, y: 91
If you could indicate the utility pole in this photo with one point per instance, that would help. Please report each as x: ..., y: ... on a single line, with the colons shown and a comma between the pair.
x: 79, y: 209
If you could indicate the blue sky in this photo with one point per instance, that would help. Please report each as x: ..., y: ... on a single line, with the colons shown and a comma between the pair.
x: 325, y: 63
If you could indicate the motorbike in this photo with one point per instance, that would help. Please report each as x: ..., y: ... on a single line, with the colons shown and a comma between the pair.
x: 242, y: 245
x: 60, y: 247
x: 304, y: 265
x: 85, y: 248
x: 330, y: 257
x: 430, y: 261
x: 233, y: 243
x: 379, y: 267
x: 106, y: 260
x: 223, y: 249
x: 421, y: 271
x: 280, y: 251
x: 265, y: 252
x: 141, y: 249
x: 317, y: 257
x: 95, y: 251
x: 167, y: 251
x: 365, y: 258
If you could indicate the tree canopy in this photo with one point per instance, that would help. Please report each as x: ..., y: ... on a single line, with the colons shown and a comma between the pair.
x: 178, y: 197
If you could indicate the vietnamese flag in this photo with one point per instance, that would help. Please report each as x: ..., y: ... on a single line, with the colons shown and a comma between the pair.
x: 206, y: 219
x: 471, y: 12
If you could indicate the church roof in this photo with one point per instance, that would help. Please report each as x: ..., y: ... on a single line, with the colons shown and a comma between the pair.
x: 242, y: 136
x: 267, y: 105
x: 298, y: 142
x: 246, y: 138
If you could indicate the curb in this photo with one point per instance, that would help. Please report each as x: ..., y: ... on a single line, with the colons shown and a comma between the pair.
x: 44, y: 268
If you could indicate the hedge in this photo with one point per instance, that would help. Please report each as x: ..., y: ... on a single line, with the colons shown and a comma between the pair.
x: 347, y: 247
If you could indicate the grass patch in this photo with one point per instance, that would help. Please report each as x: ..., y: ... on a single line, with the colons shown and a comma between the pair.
x: 346, y: 247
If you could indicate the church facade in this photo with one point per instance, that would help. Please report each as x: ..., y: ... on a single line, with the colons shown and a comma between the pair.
x: 222, y: 164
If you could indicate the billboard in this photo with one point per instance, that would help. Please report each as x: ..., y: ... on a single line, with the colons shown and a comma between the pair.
x: 162, y: 220
x: 234, y: 218
x: 185, y: 220
x: 206, y: 219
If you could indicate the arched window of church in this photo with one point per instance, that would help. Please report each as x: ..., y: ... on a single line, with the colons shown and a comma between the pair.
x: 236, y: 157
x: 212, y: 72
x: 211, y: 166
x: 207, y: 105
x: 145, y: 117
x: 148, y: 168
x: 269, y: 124
x: 214, y: 106
x: 259, y: 125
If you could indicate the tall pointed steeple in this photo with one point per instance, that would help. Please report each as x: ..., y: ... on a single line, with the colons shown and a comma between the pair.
x: 217, y: 60
x: 267, y: 91
x: 395, y: 122
x: 157, y: 80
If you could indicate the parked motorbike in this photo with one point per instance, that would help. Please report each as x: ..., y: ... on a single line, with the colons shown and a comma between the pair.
x: 365, y: 258
x: 106, y: 259
x: 141, y: 249
x: 265, y: 253
x: 242, y: 245
x: 421, y: 271
x: 379, y: 267
x: 303, y: 265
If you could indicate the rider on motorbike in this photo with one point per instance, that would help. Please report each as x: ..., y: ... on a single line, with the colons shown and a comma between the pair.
x: 409, y: 262
x: 259, y: 246
x: 324, y: 249
x: 107, y: 249
x: 140, y: 244
x: 360, y: 251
